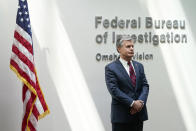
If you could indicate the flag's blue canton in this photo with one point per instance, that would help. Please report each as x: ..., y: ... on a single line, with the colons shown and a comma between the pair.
x: 23, y: 19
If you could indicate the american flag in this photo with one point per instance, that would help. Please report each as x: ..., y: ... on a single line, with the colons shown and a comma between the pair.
x: 22, y: 63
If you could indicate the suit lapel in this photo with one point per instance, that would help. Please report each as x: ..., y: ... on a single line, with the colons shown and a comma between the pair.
x: 124, y: 72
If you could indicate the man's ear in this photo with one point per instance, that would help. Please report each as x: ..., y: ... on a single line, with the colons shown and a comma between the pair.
x: 118, y: 48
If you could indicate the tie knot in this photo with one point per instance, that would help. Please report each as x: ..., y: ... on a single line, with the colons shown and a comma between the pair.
x: 129, y: 63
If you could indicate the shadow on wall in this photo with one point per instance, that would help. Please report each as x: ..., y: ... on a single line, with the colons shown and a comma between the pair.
x: 56, y: 120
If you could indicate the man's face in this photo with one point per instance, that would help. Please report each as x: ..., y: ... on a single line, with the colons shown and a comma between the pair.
x: 127, y: 49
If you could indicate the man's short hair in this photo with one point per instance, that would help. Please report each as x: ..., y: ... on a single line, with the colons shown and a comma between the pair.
x: 121, y: 38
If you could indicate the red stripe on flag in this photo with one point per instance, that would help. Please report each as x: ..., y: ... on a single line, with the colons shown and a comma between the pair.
x: 24, y: 89
x: 40, y: 95
x: 22, y: 73
x: 23, y: 41
x: 23, y: 58
x: 35, y: 112
x: 31, y: 126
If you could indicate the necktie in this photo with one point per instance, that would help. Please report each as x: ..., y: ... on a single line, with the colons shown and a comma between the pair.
x: 132, y: 74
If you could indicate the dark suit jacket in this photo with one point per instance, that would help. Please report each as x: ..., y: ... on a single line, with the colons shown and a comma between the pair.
x: 123, y: 93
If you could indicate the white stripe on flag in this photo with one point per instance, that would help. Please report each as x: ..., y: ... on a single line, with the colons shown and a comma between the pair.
x: 39, y: 106
x: 27, y: 97
x: 33, y: 121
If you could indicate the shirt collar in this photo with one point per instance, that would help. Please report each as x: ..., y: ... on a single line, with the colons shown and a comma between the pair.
x: 124, y: 62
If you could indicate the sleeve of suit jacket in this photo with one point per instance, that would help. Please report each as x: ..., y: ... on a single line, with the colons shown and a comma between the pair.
x: 112, y: 85
x: 145, y: 87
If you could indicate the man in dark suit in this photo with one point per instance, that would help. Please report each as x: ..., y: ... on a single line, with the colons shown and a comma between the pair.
x: 127, y: 84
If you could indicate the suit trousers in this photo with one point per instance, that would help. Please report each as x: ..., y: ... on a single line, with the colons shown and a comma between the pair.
x: 133, y: 126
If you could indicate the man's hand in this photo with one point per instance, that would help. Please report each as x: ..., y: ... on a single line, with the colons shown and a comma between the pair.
x: 137, y: 106
x: 133, y: 111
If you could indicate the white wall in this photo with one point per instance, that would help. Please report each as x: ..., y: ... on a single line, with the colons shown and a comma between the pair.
x: 62, y: 22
